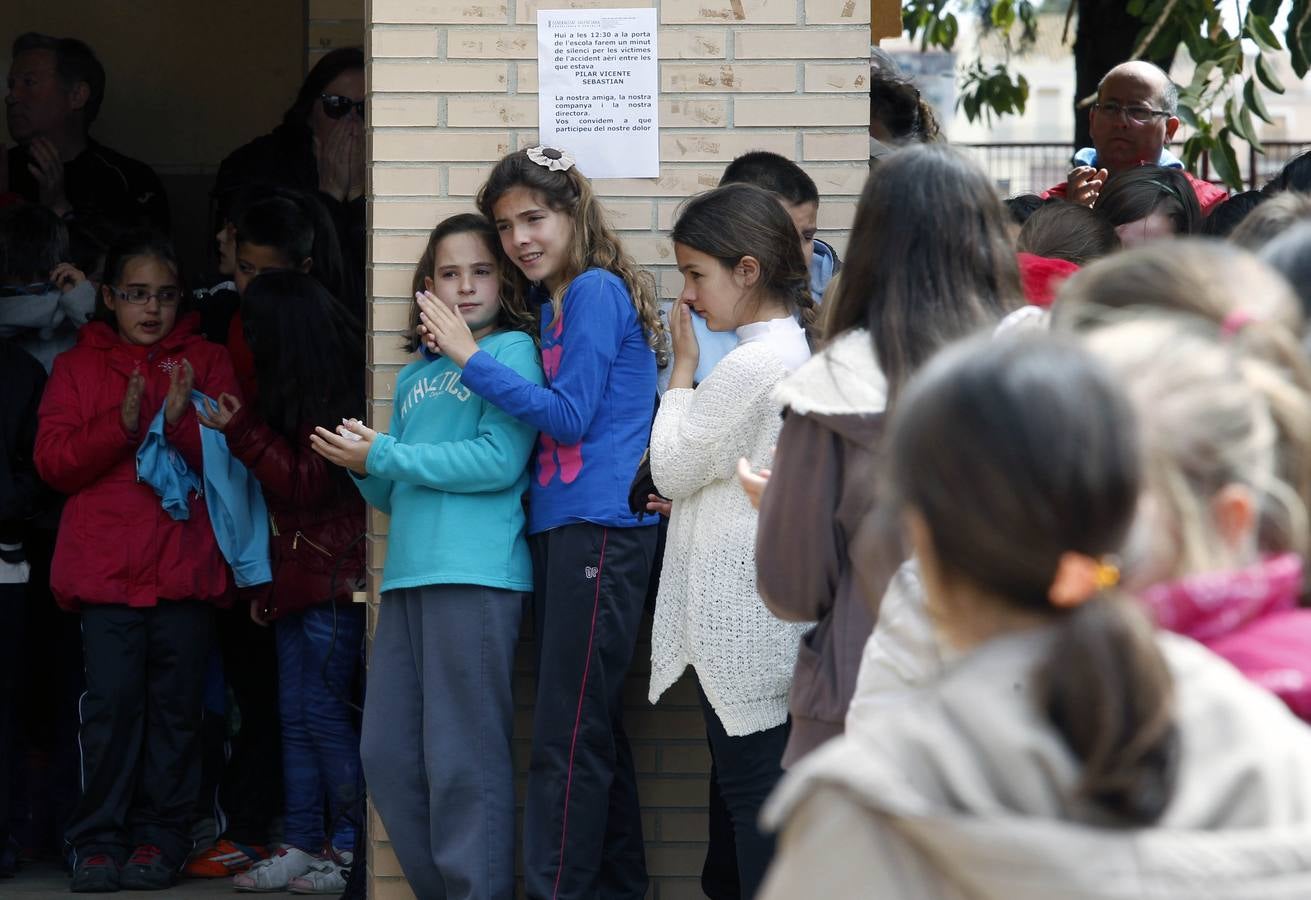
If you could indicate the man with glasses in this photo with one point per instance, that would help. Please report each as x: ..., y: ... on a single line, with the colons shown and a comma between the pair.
x: 1135, y: 116
x: 55, y: 89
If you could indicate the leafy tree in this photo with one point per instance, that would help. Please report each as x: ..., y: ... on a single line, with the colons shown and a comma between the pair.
x: 1221, y: 103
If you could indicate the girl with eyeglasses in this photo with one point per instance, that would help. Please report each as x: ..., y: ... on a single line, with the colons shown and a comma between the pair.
x: 145, y: 582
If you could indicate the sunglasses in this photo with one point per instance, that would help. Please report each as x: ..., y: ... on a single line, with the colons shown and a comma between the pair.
x: 335, y: 106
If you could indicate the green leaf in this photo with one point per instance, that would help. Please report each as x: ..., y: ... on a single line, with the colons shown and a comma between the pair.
x: 1231, y: 121
x: 1248, y: 131
x: 1003, y: 14
x: 1225, y: 160
x: 951, y: 30
x: 1187, y: 116
x: 1252, y: 96
x: 1296, y: 40
x: 1202, y: 74
x: 1266, y: 73
x: 1259, y: 30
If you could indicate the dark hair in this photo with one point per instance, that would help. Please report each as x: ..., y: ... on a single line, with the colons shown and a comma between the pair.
x: 896, y: 104
x: 1052, y: 467
x: 33, y: 240
x: 1272, y: 219
x: 1290, y: 255
x: 1294, y: 176
x: 513, y: 316
x: 738, y: 220
x: 298, y: 226
x: 930, y: 259
x: 1022, y: 206
x: 1229, y: 214
x: 594, y: 243
x: 309, y: 353
x: 1068, y: 231
x: 74, y: 61
x: 343, y: 59
x: 1137, y: 193
x: 776, y: 174
x: 127, y: 246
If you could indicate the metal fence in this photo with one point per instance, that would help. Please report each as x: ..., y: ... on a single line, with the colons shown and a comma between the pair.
x: 1031, y: 168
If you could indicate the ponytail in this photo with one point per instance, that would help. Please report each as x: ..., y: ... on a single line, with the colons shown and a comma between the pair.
x: 1109, y: 693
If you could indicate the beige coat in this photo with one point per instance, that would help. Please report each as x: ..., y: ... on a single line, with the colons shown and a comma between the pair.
x: 968, y: 794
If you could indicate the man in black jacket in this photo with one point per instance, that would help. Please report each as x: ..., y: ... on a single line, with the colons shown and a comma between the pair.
x: 56, y: 87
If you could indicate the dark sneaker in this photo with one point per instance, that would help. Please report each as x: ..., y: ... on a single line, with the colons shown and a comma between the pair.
x: 96, y: 874
x: 148, y: 870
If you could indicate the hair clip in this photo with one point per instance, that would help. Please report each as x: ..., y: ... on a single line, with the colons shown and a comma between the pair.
x: 1235, y: 321
x: 551, y: 158
x: 1080, y: 577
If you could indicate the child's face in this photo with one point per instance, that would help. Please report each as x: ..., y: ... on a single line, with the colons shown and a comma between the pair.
x: 535, y: 237
x: 145, y: 300
x: 805, y: 216
x: 716, y: 292
x: 254, y: 260
x: 465, y: 279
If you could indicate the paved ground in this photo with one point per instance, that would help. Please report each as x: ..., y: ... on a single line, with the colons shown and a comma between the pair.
x: 45, y: 879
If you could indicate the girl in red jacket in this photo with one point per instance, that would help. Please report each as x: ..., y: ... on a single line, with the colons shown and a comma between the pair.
x: 144, y: 582
x: 306, y: 378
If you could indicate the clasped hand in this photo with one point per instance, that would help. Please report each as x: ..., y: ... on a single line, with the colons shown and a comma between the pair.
x: 443, y: 330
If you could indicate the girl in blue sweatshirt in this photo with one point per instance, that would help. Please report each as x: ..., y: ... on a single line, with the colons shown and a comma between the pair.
x: 592, y: 557
x: 438, y: 714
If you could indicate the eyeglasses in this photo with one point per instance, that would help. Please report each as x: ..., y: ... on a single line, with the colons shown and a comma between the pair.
x: 335, y: 106
x: 167, y: 296
x: 1135, y: 112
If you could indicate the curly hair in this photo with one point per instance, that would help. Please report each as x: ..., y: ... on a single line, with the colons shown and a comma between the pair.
x: 594, y: 243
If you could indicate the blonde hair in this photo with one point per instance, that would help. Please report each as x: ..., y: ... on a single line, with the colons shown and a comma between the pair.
x: 1271, y: 219
x: 1242, y: 297
x: 594, y: 243
x: 1207, y: 420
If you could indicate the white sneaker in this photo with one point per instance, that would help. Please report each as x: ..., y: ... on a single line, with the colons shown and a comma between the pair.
x: 326, y: 876
x: 276, y: 872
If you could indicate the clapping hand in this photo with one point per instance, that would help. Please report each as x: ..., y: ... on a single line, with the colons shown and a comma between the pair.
x: 131, y: 409
x: 1085, y: 185
x: 347, y: 447
x: 178, y: 400
x: 217, y: 414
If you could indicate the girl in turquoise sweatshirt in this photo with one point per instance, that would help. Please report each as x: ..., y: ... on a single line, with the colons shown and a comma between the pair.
x: 438, y: 714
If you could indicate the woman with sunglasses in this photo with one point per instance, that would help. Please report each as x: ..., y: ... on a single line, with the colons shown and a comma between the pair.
x: 318, y: 148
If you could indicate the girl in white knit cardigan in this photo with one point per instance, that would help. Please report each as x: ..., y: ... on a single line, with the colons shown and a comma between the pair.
x: 742, y: 270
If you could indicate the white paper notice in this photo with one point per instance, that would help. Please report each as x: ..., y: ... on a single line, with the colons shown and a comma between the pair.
x: 597, y: 88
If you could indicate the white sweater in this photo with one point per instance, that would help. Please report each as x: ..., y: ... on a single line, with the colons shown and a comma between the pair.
x: 708, y: 614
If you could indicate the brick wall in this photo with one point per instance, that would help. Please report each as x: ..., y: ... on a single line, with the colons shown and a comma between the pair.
x: 453, y: 87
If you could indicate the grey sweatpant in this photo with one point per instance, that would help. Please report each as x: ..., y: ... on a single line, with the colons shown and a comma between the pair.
x: 438, y: 719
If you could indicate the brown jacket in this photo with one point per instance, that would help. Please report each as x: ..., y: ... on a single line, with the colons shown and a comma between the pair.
x: 820, y: 496
x: 967, y: 792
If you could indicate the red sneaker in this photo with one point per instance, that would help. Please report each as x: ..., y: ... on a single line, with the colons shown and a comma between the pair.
x: 225, y: 858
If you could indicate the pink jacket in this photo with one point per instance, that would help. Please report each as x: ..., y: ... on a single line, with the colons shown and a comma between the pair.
x: 1251, y: 618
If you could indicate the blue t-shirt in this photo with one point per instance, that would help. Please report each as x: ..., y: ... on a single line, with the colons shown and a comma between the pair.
x: 594, y: 413
x: 452, y: 474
